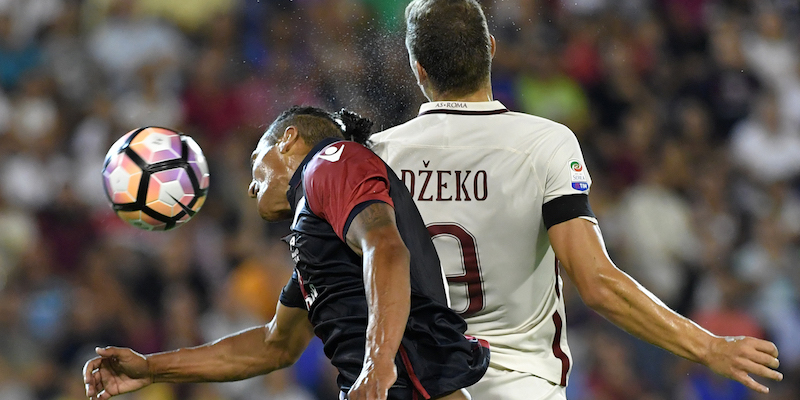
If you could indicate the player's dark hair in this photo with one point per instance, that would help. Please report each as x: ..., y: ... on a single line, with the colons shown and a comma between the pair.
x: 356, y: 127
x: 450, y: 39
x: 315, y: 124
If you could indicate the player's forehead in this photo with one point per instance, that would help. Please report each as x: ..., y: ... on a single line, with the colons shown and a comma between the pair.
x: 261, y: 149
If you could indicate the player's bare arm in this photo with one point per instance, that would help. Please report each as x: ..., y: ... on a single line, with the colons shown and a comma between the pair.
x: 249, y: 353
x: 579, y: 246
x: 373, y: 234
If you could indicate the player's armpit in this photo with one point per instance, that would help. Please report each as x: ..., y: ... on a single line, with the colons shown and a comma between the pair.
x: 291, y: 331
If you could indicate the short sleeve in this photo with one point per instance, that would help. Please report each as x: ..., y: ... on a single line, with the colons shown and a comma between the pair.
x: 566, y: 171
x: 292, y: 294
x: 567, y: 184
x: 341, y: 177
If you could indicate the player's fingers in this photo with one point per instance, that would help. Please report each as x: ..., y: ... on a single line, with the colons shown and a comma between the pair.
x: 760, y: 370
x: 108, y: 351
x: 765, y: 346
x: 89, y: 378
x: 90, y: 366
x: 744, y: 366
x: 765, y: 359
x: 746, y: 380
x: 105, y: 395
x: 99, y: 386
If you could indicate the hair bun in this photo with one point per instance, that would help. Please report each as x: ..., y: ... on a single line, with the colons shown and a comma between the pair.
x: 354, y: 126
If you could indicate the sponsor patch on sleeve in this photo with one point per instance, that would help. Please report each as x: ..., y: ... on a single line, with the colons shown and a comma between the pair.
x: 578, y: 177
x: 582, y: 186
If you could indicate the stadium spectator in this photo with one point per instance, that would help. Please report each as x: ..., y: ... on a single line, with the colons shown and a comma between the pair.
x: 765, y: 145
x: 646, y: 81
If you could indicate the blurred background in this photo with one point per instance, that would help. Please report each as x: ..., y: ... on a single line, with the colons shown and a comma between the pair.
x: 688, y: 112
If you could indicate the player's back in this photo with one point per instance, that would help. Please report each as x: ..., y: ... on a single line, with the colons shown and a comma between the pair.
x: 479, y: 175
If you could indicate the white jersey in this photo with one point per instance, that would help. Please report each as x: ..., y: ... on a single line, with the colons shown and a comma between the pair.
x: 479, y: 175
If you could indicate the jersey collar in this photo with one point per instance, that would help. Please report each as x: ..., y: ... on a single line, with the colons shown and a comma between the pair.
x: 463, y: 107
x: 298, y: 173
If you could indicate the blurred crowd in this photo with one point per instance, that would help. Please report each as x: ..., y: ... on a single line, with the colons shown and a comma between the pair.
x: 688, y: 112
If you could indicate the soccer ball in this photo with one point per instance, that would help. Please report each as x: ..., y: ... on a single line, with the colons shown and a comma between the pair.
x: 155, y: 178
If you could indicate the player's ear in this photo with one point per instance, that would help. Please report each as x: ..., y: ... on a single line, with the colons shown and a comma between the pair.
x: 493, y: 43
x: 420, y: 73
x: 288, y: 140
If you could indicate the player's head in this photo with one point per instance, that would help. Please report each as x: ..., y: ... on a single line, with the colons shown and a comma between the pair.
x: 315, y: 124
x: 286, y: 143
x: 450, y: 40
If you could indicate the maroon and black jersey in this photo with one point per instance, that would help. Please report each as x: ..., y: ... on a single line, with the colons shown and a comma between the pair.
x: 335, y: 182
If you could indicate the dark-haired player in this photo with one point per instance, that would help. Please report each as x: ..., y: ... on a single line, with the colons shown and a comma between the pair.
x: 505, y: 196
x: 367, y: 280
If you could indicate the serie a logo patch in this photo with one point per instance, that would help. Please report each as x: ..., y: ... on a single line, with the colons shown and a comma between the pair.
x: 578, y: 176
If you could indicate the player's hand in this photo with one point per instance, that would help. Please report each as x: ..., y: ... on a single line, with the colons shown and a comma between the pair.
x: 116, y: 371
x: 738, y: 357
x: 374, y: 382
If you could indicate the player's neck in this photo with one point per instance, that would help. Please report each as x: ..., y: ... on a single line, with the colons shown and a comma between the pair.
x: 482, y: 94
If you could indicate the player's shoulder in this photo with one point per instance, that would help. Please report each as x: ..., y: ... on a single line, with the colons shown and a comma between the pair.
x: 405, y: 133
x: 395, y: 132
x: 342, y: 150
x: 540, y: 124
x: 342, y: 156
x: 530, y: 134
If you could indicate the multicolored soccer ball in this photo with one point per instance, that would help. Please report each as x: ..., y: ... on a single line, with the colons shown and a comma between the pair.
x: 156, y: 178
